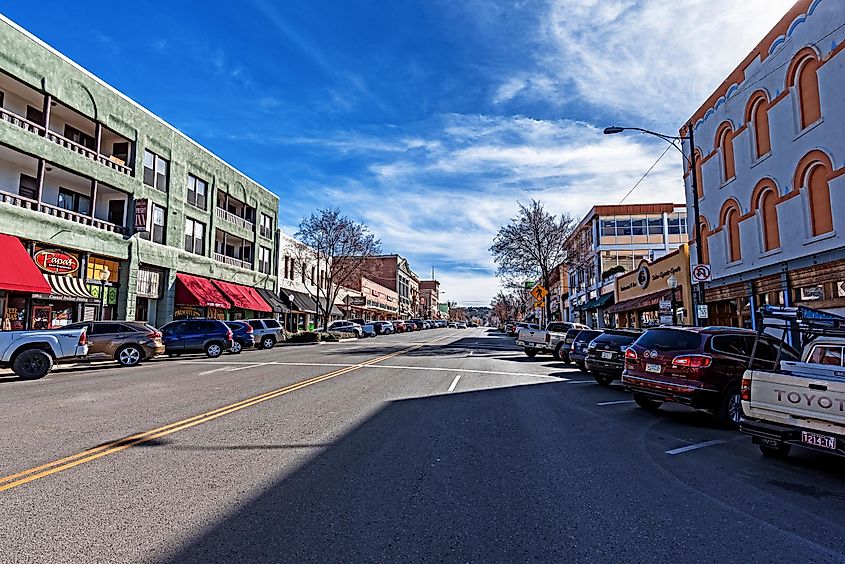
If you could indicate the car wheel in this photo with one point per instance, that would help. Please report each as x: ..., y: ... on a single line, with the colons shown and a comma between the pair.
x: 646, y: 402
x: 236, y: 348
x: 530, y: 353
x: 268, y: 342
x: 213, y: 350
x: 32, y: 364
x: 583, y: 368
x: 603, y: 379
x: 780, y: 451
x: 731, y: 409
x: 130, y: 355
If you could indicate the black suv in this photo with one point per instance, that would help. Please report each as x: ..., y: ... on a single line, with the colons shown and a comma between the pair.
x: 606, y: 354
x: 578, y: 352
x: 210, y: 336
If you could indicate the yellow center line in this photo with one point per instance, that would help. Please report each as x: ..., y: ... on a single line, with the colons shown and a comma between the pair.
x: 118, y: 445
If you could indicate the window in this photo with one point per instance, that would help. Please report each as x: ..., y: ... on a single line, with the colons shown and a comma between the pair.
x: 312, y: 275
x: 255, y: 324
x: 826, y: 354
x: 194, y: 237
x: 156, y: 234
x: 705, y: 242
x: 757, y: 116
x: 803, y: 78
x: 28, y: 187
x: 677, y: 225
x: 655, y: 226
x: 264, y: 260
x: 74, y: 201
x: 302, y: 272
x: 96, y: 265
x: 736, y: 345
x: 608, y: 228
x: 79, y: 137
x: 266, y: 226
x: 724, y: 141
x: 730, y: 223
x: 155, y: 171
x: 197, y: 190
x: 669, y: 340
x: 767, y: 208
x: 271, y: 323
x: 639, y: 227
x: 819, y: 195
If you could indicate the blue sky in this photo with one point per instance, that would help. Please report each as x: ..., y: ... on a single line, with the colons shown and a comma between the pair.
x: 427, y: 120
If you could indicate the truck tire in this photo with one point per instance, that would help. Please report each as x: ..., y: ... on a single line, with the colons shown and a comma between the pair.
x: 558, y: 355
x: 530, y: 353
x: 646, y: 402
x: 32, y: 364
x: 780, y: 451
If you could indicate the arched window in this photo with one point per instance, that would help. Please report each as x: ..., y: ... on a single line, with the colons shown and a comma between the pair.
x: 812, y: 175
x: 724, y: 141
x: 730, y: 224
x: 803, y: 77
x: 767, y: 208
x: 705, y: 242
x: 757, y: 117
x: 699, y: 179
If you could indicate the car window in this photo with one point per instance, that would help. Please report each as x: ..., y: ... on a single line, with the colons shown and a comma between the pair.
x: 558, y: 327
x: 826, y: 354
x: 738, y: 345
x: 616, y: 339
x: 126, y: 328
x: 256, y: 324
x: 669, y: 340
x: 587, y: 336
x: 106, y: 328
x: 272, y: 323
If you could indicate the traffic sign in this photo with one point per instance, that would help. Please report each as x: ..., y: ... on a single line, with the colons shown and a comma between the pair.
x: 538, y: 303
x: 539, y: 292
x: 703, y: 311
x: 701, y: 273
x: 666, y: 306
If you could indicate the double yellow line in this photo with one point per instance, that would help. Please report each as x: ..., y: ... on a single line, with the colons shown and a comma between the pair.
x: 112, y: 447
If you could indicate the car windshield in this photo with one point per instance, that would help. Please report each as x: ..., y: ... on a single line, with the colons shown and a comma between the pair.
x: 669, y: 340
x: 586, y: 336
x: 616, y: 339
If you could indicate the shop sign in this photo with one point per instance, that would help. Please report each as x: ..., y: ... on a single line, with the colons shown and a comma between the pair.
x: 56, y: 262
x: 666, y: 319
x: 665, y: 305
x: 643, y: 277
x: 142, y: 211
x: 356, y: 300
x: 111, y: 293
x: 840, y: 289
x: 185, y: 312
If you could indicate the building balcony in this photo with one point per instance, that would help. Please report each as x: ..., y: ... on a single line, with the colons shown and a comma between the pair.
x: 234, y: 219
x: 232, y: 261
x: 61, y: 213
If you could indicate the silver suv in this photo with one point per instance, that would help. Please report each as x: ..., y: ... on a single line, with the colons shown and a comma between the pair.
x: 267, y: 332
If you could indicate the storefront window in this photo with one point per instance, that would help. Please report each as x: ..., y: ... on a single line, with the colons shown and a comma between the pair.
x: 97, y: 264
x: 14, y: 314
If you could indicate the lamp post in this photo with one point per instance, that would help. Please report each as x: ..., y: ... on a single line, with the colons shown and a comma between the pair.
x: 103, y: 275
x: 672, y: 281
x: 671, y: 139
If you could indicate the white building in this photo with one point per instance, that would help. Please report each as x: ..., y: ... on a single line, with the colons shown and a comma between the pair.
x: 772, y: 193
x: 299, y: 277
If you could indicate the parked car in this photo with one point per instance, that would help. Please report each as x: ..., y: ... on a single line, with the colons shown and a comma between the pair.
x: 700, y: 367
x: 400, y: 326
x: 472, y: 324
x: 368, y: 330
x: 798, y: 403
x: 243, y: 336
x: 127, y: 342
x: 209, y: 336
x: 548, y: 341
x: 383, y: 327
x: 578, y: 352
x: 461, y: 324
x: 345, y: 326
x: 606, y: 354
x: 565, y: 345
x: 452, y: 325
x: 267, y: 332
x: 31, y: 354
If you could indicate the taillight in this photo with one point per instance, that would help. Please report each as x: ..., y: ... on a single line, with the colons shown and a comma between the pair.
x: 630, y: 354
x: 83, y: 340
x: 548, y: 337
x: 228, y: 334
x: 154, y: 335
x: 693, y: 361
x: 249, y: 328
x: 745, y: 389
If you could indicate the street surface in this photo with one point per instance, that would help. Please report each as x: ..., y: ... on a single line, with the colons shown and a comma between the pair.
x: 443, y: 445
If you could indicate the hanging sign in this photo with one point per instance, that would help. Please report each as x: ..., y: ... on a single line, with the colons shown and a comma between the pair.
x: 142, y: 209
x: 56, y: 262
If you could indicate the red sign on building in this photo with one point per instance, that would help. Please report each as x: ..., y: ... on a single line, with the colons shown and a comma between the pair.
x: 56, y: 262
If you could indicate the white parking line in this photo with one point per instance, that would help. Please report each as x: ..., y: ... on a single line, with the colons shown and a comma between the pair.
x: 215, y: 370
x: 248, y: 367
x: 693, y: 447
x: 454, y: 383
x: 614, y: 402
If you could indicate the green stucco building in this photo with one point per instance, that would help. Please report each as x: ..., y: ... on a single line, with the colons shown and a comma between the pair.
x: 125, y: 217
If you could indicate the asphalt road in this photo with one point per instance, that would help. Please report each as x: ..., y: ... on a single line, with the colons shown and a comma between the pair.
x: 444, y: 445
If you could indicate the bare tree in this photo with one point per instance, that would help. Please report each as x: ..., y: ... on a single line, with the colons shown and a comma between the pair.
x: 326, y: 235
x: 507, y: 306
x: 531, y: 245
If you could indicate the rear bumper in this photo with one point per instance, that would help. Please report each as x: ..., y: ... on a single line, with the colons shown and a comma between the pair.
x: 604, y: 366
x: 532, y: 346
x: 693, y: 396
x: 770, y: 434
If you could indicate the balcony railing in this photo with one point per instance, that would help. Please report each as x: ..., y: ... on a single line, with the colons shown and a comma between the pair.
x: 233, y: 261
x: 234, y: 219
x: 23, y: 123
x: 55, y: 211
x: 19, y: 201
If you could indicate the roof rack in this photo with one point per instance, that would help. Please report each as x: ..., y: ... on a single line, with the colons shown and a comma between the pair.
x: 802, y: 322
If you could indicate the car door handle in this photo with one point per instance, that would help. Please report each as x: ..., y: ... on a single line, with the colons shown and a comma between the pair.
x: 819, y: 387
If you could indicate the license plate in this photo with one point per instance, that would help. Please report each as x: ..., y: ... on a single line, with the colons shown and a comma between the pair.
x: 607, y: 354
x: 653, y: 368
x: 818, y: 440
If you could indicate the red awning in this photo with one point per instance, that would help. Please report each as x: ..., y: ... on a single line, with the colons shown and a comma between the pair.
x: 243, y: 296
x: 17, y: 271
x: 193, y: 290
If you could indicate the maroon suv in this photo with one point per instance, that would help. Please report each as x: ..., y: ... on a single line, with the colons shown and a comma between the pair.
x: 700, y: 367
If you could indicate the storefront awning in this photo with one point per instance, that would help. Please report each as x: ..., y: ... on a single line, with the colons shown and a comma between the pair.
x: 17, y: 271
x: 298, y: 301
x: 649, y: 301
x: 273, y: 300
x: 67, y: 288
x: 243, y: 297
x: 599, y: 302
x: 194, y: 290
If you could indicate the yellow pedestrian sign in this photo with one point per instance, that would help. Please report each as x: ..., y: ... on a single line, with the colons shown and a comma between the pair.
x: 538, y: 303
x: 539, y: 293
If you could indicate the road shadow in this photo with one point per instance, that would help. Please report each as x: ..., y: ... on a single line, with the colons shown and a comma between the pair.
x: 460, y: 347
x: 502, y: 475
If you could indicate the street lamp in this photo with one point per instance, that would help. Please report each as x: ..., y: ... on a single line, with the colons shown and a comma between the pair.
x: 103, y: 275
x: 672, y: 281
x: 671, y: 139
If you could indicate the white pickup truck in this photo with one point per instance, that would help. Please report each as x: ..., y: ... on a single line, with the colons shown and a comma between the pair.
x: 802, y: 403
x: 31, y: 354
x: 535, y: 341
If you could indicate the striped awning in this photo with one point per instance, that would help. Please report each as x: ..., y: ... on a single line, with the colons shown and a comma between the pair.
x: 66, y: 288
